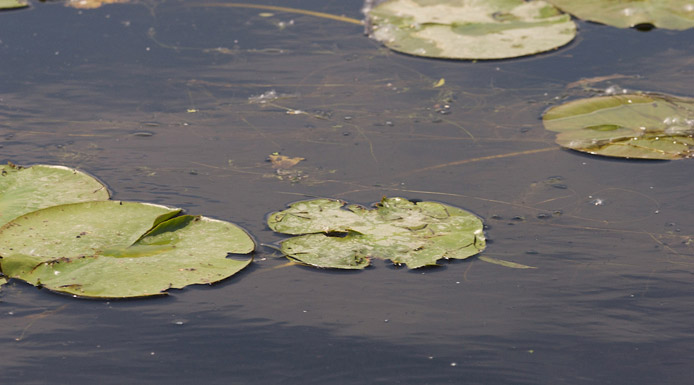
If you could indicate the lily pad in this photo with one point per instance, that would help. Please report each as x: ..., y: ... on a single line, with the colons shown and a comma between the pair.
x: 416, y: 234
x: 669, y: 14
x: 10, y: 4
x: 23, y: 190
x: 470, y: 29
x: 643, y: 126
x: 112, y: 249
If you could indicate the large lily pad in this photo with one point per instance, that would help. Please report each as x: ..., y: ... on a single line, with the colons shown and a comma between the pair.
x: 416, y: 234
x: 470, y: 29
x: 23, y: 190
x: 669, y: 14
x: 644, y: 126
x: 111, y: 249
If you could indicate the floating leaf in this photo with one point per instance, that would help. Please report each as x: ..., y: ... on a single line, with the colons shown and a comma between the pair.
x: 111, y: 249
x: 669, y: 14
x: 10, y: 4
x: 416, y: 234
x: 470, y: 29
x: 645, y: 126
x: 23, y: 190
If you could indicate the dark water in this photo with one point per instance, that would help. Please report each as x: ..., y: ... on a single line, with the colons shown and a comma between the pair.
x: 154, y: 100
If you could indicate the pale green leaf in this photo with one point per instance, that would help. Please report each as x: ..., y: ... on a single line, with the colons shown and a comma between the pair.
x: 405, y: 232
x: 643, y: 126
x: 23, y: 190
x: 470, y: 29
x: 112, y: 249
x: 668, y: 14
x: 10, y: 4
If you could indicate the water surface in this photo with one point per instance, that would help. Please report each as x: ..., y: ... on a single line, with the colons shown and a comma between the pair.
x: 156, y: 99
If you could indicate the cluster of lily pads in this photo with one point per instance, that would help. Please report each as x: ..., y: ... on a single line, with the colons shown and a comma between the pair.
x: 635, y: 125
x: 500, y: 29
x: 61, y: 231
x: 627, y: 125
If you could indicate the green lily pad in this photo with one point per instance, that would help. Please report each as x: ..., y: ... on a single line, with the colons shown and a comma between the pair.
x: 470, y: 29
x: 669, y: 14
x: 9, y: 4
x: 643, y: 126
x: 23, y: 190
x: 112, y: 249
x: 416, y: 234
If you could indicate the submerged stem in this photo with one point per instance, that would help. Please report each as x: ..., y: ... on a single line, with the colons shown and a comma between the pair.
x: 323, y: 15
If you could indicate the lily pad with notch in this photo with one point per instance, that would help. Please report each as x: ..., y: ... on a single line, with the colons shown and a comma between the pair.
x: 25, y: 189
x: 667, y: 14
x: 639, y: 125
x: 470, y: 29
x: 417, y: 234
x: 113, y: 249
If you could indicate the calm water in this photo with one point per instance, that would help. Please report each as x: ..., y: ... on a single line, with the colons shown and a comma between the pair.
x: 154, y: 100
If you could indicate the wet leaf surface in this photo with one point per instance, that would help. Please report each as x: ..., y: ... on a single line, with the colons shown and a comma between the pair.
x: 643, y: 126
x: 668, y: 14
x: 414, y: 234
x: 11, y: 4
x: 23, y: 190
x: 468, y: 29
x: 112, y: 249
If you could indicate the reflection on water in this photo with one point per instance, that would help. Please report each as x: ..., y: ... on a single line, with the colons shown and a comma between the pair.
x: 159, y: 99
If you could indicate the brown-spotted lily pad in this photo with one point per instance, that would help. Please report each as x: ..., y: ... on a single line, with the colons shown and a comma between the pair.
x: 415, y: 234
